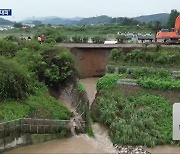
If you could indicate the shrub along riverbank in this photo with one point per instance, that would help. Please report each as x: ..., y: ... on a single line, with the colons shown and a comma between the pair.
x: 157, y: 57
x: 148, y: 77
x: 27, y: 69
x: 140, y: 118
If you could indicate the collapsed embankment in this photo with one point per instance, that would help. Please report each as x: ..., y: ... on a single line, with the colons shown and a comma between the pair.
x: 32, y: 131
x: 135, y: 115
x: 75, y: 99
x: 81, y: 143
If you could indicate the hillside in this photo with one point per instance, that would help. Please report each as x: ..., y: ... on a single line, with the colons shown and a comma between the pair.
x: 99, y: 20
x: 59, y: 21
x: 162, y: 17
x: 54, y: 20
x: 5, y: 22
x: 70, y: 21
x: 95, y: 20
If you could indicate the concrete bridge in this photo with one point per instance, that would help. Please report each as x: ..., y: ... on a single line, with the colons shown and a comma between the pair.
x: 91, y: 59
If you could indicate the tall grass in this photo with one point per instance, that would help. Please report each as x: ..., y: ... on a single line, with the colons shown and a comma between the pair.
x: 151, y: 57
x: 139, y: 119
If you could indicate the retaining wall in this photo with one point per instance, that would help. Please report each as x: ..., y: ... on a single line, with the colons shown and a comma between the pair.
x: 20, y: 132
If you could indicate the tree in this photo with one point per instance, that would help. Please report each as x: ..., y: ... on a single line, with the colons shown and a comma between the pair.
x: 172, y: 18
x: 157, y: 26
x: 18, y: 25
x: 37, y: 23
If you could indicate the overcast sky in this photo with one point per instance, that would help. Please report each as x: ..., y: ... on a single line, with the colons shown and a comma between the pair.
x: 87, y: 8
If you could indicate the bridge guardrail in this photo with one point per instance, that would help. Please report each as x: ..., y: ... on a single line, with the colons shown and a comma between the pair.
x: 32, y: 126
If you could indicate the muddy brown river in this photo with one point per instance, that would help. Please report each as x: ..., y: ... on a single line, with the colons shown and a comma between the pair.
x: 82, y: 144
x: 90, y: 85
x: 77, y: 144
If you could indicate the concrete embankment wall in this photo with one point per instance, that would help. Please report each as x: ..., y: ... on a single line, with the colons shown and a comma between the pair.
x: 29, y: 131
x: 19, y: 140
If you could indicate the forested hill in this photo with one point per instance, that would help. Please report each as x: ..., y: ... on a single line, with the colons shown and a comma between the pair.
x: 5, y: 22
x: 95, y: 20
x: 161, y: 17
x: 100, y: 20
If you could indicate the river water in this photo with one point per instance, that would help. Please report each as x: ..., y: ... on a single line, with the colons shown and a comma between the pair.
x: 81, y: 144
x: 76, y: 144
x: 84, y: 144
x: 90, y: 85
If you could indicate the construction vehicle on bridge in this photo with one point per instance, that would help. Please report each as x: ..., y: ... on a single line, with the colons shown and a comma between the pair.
x: 170, y: 37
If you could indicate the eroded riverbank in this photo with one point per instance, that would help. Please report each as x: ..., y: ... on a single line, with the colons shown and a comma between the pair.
x: 82, y: 143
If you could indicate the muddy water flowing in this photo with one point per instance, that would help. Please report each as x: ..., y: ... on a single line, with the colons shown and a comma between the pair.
x: 90, y: 85
x: 82, y: 143
x: 76, y: 144
x: 164, y: 150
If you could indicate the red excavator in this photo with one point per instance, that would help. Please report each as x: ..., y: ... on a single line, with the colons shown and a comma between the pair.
x: 170, y: 37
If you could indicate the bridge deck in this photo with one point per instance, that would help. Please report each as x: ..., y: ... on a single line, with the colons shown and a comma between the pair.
x: 110, y: 46
x: 77, y: 45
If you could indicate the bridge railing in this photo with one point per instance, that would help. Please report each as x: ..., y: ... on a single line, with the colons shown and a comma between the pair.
x: 32, y: 126
x: 17, y: 132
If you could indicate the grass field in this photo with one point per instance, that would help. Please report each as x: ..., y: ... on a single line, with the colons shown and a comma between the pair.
x: 89, y: 31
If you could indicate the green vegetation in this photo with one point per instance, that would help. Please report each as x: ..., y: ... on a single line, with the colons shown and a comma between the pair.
x: 147, y: 57
x: 33, y: 58
x: 98, y: 39
x: 150, y: 72
x: 172, y: 18
x: 109, y: 81
x: 80, y: 87
x: 89, y: 125
x: 62, y: 38
x: 38, y: 105
x: 46, y: 107
x: 8, y: 48
x: 50, y: 40
x: 65, y: 33
x: 11, y: 110
x: 27, y: 69
x: 160, y: 83
x: 138, y: 119
x: 139, y: 72
x: 14, y: 81
x: 18, y: 25
x: 56, y: 67
x: 64, y: 133
x: 88, y: 31
x: 147, y: 77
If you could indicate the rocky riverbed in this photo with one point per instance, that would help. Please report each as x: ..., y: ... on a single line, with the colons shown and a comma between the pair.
x: 131, y: 149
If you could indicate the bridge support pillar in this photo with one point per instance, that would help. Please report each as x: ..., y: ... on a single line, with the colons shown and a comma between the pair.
x: 91, y: 62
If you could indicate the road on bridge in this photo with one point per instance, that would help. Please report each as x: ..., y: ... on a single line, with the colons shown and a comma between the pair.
x: 111, y: 46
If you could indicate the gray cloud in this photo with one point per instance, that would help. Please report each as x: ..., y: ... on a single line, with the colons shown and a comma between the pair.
x: 87, y: 8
